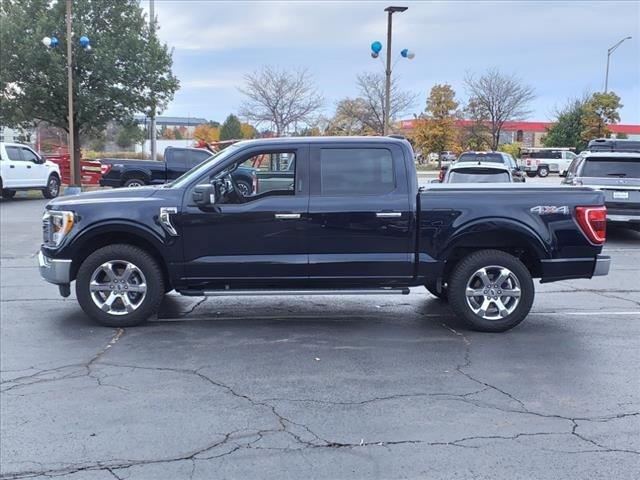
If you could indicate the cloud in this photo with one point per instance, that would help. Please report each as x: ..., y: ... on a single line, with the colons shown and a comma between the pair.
x: 557, y: 47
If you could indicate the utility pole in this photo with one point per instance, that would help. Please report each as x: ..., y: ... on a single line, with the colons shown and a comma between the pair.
x: 75, y: 185
x: 387, y: 88
x: 609, y: 52
x: 152, y: 128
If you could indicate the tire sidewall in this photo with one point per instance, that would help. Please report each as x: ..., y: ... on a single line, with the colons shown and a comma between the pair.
x: 458, y: 284
x: 128, y: 182
x: 47, y: 191
x: 142, y: 260
x: 543, y: 172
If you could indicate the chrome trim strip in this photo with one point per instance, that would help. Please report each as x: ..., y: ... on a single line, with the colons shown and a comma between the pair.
x: 371, y: 291
x: 389, y: 214
x: 623, y: 218
x: 287, y: 216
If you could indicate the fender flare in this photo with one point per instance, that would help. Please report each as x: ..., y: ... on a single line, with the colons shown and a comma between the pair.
x: 498, y: 226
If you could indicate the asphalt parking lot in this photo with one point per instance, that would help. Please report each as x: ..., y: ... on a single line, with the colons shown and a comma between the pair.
x: 317, y: 387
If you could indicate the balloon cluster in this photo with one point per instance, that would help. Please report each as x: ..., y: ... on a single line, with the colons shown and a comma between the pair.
x: 53, y: 42
x: 376, y: 48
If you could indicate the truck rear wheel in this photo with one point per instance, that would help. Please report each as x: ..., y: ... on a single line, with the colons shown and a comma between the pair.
x: 134, y: 182
x: 532, y: 174
x: 120, y: 285
x: 491, y: 290
x: 543, y: 172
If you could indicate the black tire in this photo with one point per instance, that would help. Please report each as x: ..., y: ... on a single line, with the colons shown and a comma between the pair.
x: 432, y: 288
x: 134, y: 182
x: 52, y: 190
x: 532, y: 174
x: 466, y: 269
x: 155, y: 288
x: 244, y: 188
x: 543, y: 172
x: 8, y: 194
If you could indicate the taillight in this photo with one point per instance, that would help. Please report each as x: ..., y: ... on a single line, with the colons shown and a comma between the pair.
x: 105, y: 168
x: 593, y: 222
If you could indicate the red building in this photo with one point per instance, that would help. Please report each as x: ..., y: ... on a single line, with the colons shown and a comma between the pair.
x: 530, y: 133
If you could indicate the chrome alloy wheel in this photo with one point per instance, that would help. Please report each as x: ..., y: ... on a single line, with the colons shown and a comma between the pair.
x: 493, y: 292
x: 118, y: 287
x: 53, y: 186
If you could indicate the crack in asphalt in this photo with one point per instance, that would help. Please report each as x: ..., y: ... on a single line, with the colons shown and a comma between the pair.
x: 305, y: 438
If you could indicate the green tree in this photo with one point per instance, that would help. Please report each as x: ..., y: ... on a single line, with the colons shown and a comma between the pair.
x: 600, y: 111
x: 435, y: 131
x: 566, y: 131
x: 231, y: 129
x: 177, y: 133
x: 129, y: 134
x: 127, y: 70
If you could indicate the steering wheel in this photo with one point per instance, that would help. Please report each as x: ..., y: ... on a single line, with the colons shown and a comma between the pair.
x: 232, y: 190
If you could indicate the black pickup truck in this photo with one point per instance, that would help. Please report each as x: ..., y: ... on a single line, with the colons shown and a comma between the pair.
x: 346, y: 216
x: 124, y: 172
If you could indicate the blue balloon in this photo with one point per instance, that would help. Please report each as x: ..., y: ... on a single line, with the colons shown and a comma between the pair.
x: 84, y: 41
x: 376, y: 47
x: 54, y: 42
x: 405, y: 52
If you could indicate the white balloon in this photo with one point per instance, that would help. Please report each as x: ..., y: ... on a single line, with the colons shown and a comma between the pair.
x: 411, y: 55
x: 46, y: 41
x: 88, y: 48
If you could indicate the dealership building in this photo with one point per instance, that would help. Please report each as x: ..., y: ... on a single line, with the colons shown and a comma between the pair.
x: 530, y: 134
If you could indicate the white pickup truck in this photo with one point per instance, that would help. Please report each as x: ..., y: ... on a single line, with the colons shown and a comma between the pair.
x: 21, y: 168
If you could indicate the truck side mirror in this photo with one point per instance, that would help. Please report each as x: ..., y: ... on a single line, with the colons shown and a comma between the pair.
x: 204, y: 195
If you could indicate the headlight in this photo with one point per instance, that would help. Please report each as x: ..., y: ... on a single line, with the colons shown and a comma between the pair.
x: 56, y: 224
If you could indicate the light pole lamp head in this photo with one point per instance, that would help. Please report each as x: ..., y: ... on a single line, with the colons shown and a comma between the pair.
x: 395, y: 9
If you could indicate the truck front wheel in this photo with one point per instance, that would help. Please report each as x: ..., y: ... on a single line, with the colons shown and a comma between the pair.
x: 134, y: 182
x: 120, y: 285
x: 491, y: 290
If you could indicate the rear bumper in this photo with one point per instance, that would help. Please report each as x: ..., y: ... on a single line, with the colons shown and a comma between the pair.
x: 54, y: 270
x: 603, y: 263
x: 623, y: 218
x: 569, y: 268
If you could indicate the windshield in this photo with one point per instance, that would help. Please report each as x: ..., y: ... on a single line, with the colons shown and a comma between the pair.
x: 478, y: 175
x: 481, y: 157
x: 203, y: 167
x: 611, y: 167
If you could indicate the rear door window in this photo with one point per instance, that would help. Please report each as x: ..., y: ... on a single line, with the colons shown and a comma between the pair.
x: 356, y: 171
x: 611, y: 167
x: 481, y: 157
x: 478, y: 175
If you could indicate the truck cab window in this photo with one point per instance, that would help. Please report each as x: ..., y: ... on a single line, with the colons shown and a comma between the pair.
x: 263, y: 174
x: 356, y: 171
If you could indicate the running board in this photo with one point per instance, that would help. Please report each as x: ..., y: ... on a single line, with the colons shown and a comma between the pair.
x: 248, y: 293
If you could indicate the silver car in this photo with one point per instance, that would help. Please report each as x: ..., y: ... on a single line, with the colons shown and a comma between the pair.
x: 617, y: 174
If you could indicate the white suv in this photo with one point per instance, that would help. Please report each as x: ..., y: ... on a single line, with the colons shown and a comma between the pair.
x: 23, y: 169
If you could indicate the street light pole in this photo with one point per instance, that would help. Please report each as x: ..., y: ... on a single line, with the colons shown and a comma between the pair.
x: 74, y: 162
x: 387, y: 88
x: 609, y: 52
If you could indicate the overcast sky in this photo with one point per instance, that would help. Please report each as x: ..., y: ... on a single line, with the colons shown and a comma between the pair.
x: 559, y: 48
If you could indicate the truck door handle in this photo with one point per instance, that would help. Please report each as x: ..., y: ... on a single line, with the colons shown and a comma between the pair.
x: 12, y: 166
x: 287, y: 216
x: 28, y: 166
x: 388, y: 214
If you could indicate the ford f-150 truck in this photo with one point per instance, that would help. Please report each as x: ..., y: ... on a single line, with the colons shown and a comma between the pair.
x: 349, y: 219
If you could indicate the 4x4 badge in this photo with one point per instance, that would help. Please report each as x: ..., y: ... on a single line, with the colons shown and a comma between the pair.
x: 550, y: 209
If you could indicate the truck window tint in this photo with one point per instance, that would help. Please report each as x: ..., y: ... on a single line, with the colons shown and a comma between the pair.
x: 356, y: 171
x: 28, y: 155
x: 195, y: 157
x: 481, y: 157
x: 611, y: 167
x: 13, y: 153
x: 477, y: 175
